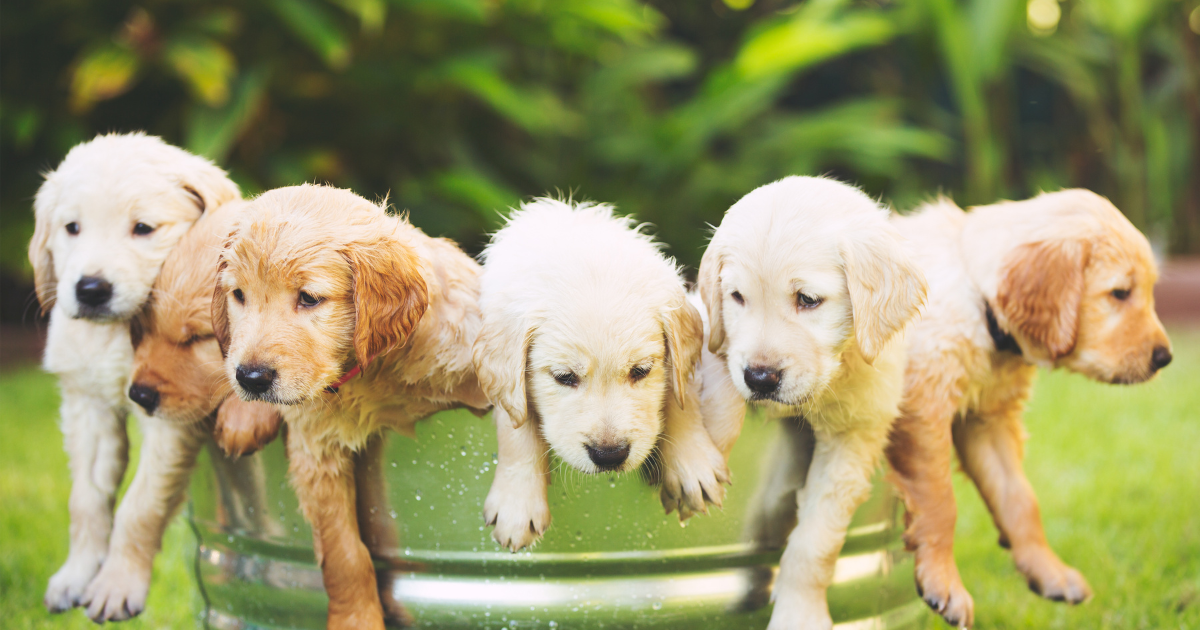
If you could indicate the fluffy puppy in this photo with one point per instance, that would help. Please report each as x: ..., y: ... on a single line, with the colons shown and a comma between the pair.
x: 105, y: 220
x: 1061, y: 280
x: 808, y: 292
x: 178, y: 380
x: 588, y: 348
x: 350, y: 322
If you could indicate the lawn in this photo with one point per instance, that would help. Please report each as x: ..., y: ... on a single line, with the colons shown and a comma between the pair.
x: 1116, y: 469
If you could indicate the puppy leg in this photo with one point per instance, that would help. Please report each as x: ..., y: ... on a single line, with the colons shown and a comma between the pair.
x: 517, y: 503
x: 169, y: 450
x: 323, y: 477
x: 379, y: 532
x: 991, y: 448
x: 98, y: 448
x: 839, y: 480
x: 245, y: 427
x: 723, y: 408
x: 694, y: 470
x: 920, y: 454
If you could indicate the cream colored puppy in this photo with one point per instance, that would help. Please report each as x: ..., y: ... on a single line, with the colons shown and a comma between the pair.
x: 588, y: 348
x: 808, y: 293
x: 106, y: 218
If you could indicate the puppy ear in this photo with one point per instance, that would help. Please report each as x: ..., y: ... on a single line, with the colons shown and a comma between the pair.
x: 40, y: 257
x: 501, y: 357
x: 1041, y: 290
x: 220, y: 311
x: 684, y: 332
x: 390, y: 295
x: 709, y: 282
x: 205, y: 184
x: 886, y: 288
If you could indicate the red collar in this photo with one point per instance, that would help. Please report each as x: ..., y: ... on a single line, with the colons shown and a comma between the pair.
x: 332, y: 389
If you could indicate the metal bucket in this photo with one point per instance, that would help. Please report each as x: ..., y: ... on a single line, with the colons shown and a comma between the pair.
x: 611, y: 558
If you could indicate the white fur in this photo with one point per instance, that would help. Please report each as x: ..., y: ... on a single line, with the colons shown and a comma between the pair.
x: 106, y: 186
x: 573, y: 289
x: 842, y: 361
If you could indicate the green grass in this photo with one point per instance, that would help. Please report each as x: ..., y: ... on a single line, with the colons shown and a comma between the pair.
x: 1116, y: 469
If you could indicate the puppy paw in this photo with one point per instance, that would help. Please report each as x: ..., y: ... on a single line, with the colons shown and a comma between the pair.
x: 245, y: 427
x: 940, y: 586
x: 1051, y: 578
x: 694, y: 474
x: 118, y: 592
x: 797, y: 616
x: 66, y: 587
x: 394, y: 612
x: 519, y: 512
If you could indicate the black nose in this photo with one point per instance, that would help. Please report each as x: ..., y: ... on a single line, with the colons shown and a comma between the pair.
x: 1160, y: 359
x: 255, y: 379
x: 93, y: 291
x: 761, y: 380
x: 146, y: 397
x: 608, y: 456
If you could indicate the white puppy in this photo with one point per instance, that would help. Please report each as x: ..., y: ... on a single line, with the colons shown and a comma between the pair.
x: 105, y: 220
x: 588, y: 347
x: 808, y: 292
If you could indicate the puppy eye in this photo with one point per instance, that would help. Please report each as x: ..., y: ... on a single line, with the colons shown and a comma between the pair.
x: 72, y: 228
x: 803, y: 300
x: 567, y: 380
x: 308, y: 301
x: 639, y: 372
x: 737, y: 297
x: 197, y: 339
x: 141, y: 229
x: 1121, y: 294
x: 239, y: 296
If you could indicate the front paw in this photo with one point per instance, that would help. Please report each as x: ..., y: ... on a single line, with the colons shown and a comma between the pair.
x: 1051, y: 578
x: 519, y: 511
x: 67, y: 585
x: 118, y: 592
x: 939, y: 585
x: 243, y: 428
x: 694, y: 474
x: 793, y: 615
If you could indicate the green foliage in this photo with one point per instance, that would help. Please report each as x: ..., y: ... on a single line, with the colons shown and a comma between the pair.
x: 457, y: 109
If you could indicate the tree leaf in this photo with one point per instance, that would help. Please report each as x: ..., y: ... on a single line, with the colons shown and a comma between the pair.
x: 212, y: 132
x: 205, y: 65
x: 101, y: 74
x: 316, y: 26
x: 802, y: 42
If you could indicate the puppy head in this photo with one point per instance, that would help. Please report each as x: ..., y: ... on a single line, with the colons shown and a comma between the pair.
x: 314, y: 281
x: 107, y: 217
x: 1081, y: 295
x: 586, y: 331
x: 799, y: 272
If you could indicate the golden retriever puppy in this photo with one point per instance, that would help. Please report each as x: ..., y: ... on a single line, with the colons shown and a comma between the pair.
x: 106, y: 219
x: 1061, y: 280
x: 588, y: 348
x: 350, y: 322
x: 179, y: 381
x: 808, y: 291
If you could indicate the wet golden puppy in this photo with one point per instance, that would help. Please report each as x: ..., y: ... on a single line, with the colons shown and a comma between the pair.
x: 808, y: 292
x: 588, y: 347
x: 350, y: 322
x: 179, y: 381
x: 1061, y: 280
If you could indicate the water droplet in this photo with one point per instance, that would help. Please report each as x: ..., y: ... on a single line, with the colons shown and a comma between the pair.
x: 656, y: 605
x: 649, y: 535
x: 393, y: 463
x: 392, y: 513
x: 418, y: 496
x: 579, y: 535
x: 553, y: 624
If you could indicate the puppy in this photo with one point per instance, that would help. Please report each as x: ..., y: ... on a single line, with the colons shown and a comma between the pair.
x: 808, y: 292
x: 588, y: 348
x: 105, y: 220
x: 350, y: 322
x: 1061, y: 280
x: 179, y: 381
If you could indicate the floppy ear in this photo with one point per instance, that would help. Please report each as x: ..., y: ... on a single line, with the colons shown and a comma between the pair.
x: 1040, y: 292
x: 684, y: 332
x: 886, y: 289
x: 390, y: 295
x: 501, y: 357
x: 40, y: 256
x: 207, y: 185
x: 709, y: 282
x: 220, y: 312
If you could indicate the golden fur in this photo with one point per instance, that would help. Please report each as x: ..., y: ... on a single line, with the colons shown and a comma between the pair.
x: 380, y: 295
x: 1053, y: 270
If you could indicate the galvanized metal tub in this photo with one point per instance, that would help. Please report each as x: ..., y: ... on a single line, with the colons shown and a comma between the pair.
x: 611, y: 558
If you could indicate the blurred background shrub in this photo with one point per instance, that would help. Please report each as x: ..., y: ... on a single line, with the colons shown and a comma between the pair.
x: 457, y: 109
